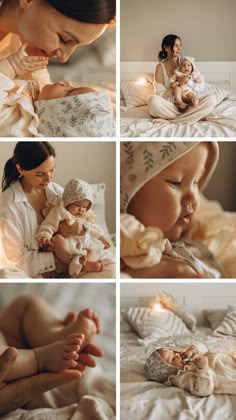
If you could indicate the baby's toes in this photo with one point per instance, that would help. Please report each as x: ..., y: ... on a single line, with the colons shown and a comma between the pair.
x: 75, y: 339
x: 88, y: 313
x: 68, y: 364
x: 72, y: 355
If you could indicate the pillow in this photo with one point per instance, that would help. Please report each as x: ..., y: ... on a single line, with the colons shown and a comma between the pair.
x: 215, y: 316
x: 219, y: 92
x: 149, y: 77
x: 227, y: 325
x: 149, y: 323
x: 136, y: 94
x: 169, y: 302
x: 85, y: 115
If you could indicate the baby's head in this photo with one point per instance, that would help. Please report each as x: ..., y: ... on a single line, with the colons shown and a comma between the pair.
x: 78, y: 197
x: 161, y: 182
x: 162, y: 364
x: 187, y: 65
x: 61, y: 90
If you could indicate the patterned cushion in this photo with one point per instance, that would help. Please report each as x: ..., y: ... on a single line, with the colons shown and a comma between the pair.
x: 227, y: 325
x: 136, y: 94
x: 149, y: 323
x: 215, y: 316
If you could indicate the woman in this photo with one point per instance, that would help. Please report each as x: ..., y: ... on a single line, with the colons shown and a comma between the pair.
x: 160, y: 106
x: 26, y: 188
x: 52, y: 28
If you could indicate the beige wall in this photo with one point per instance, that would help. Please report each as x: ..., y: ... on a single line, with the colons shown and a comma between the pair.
x: 207, y: 28
x: 91, y: 161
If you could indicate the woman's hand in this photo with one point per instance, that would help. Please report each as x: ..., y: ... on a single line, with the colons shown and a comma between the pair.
x: 22, y: 63
x: 15, y: 394
x: 65, y: 230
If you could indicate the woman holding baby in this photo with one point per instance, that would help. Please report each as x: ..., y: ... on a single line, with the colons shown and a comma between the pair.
x: 27, y: 188
x: 161, y: 105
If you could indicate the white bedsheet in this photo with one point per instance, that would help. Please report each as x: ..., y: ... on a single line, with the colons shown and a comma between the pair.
x: 136, y: 122
x: 94, y: 396
x: 142, y: 399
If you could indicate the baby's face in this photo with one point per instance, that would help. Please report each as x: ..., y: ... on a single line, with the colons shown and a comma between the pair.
x: 170, y: 199
x: 186, y: 67
x: 171, y: 357
x: 79, y: 208
x: 61, y: 90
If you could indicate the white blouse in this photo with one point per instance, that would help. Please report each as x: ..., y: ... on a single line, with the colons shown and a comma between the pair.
x: 18, y: 227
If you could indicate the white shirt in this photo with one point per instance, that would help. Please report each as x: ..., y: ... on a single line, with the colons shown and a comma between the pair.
x: 18, y: 227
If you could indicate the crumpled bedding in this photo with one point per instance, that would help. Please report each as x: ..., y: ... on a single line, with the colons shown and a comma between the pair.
x: 142, y: 399
x: 136, y: 122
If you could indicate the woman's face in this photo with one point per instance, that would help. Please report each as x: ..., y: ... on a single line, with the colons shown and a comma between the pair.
x: 176, y: 50
x: 38, y: 177
x: 52, y: 34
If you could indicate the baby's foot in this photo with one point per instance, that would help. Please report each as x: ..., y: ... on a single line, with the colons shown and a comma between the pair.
x: 86, y: 322
x: 182, y: 106
x: 94, y: 266
x: 61, y: 355
x: 195, y: 101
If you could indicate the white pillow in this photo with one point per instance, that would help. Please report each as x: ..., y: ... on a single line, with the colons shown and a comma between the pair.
x: 219, y: 92
x: 153, y: 324
x: 86, y: 115
x: 136, y: 94
x: 227, y: 325
x: 215, y: 316
x: 169, y: 302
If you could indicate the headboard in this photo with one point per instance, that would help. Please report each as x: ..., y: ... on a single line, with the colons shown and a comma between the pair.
x: 214, y: 71
x: 195, y: 296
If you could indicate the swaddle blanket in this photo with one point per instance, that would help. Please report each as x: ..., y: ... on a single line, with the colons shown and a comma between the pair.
x: 84, y: 115
x: 18, y: 117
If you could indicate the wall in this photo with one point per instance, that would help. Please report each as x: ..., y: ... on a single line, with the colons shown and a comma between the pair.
x: 207, y: 28
x: 92, y: 161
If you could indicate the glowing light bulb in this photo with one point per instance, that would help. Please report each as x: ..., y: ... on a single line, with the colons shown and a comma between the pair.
x: 141, y: 81
x: 157, y: 307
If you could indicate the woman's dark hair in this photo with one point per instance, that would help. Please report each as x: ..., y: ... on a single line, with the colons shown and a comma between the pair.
x: 90, y: 11
x: 168, y: 41
x: 29, y: 155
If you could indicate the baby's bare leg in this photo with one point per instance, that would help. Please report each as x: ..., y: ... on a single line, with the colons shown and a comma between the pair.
x: 61, y: 249
x: 192, y: 98
x: 93, y: 264
x: 178, y: 92
x: 30, y: 322
x: 54, y: 357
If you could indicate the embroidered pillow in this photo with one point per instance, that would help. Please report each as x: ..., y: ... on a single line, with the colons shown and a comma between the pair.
x: 135, y: 93
x: 169, y: 302
x: 154, y: 324
x: 227, y: 325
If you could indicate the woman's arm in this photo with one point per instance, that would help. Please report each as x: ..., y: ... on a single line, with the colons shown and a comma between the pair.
x: 159, y: 78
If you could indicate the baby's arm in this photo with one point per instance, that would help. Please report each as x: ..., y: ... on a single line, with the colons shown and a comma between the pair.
x: 200, y: 383
x: 49, y: 226
x: 19, y: 63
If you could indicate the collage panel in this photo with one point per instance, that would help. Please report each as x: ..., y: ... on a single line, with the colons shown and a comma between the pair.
x: 177, y: 351
x: 177, y: 209
x: 177, y: 81
x: 58, y: 210
x: 61, y: 341
x: 48, y: 86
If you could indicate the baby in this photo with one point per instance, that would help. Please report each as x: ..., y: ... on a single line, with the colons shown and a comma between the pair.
x: 195, y: 368
x: 167, y: 177
x: 186, y: 81
x: 88, y: 243
x: 45, y: 342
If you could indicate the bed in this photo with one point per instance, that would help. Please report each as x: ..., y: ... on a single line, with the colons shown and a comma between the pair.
x: 95, y: 397
x: 136, y: 87
x: 142, y: 399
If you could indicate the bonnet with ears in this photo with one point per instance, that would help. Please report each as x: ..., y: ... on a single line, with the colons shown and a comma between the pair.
x: 157, y: 369
x: 141, y: 161
x: 76, y: 190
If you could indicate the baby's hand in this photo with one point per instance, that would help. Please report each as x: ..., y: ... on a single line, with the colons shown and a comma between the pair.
x: 22, y: 63
x: 187, y: 354
x: 104, y: 242
x: 182, y: 80
x: 45, y: 241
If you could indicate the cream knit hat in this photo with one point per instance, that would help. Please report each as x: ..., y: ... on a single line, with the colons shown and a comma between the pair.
x: 141, y: 161
x: 77, y: 189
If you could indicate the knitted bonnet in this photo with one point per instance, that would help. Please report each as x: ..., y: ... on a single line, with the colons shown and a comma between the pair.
x: 141, y: 161
x: 76, y: 190
x: 156, y: 369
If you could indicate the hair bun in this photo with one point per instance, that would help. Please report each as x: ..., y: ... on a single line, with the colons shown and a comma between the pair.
x: 162, y: 54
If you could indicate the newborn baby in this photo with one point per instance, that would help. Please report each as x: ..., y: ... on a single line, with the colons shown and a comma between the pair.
x: 56, y: 90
